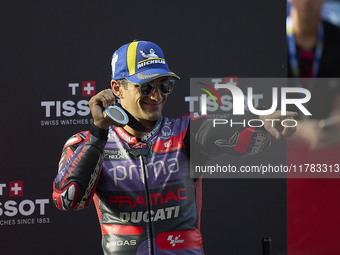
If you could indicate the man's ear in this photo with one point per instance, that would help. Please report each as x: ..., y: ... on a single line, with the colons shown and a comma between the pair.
x: 117, y: 89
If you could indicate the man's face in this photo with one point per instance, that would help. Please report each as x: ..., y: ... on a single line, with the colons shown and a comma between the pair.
x: 308, y: 9
x: 146, y: 109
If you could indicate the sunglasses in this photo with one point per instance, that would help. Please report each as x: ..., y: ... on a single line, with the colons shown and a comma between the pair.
x: 165, y: 86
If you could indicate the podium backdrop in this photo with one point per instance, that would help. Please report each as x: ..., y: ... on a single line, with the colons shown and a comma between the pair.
x: 56, y: 54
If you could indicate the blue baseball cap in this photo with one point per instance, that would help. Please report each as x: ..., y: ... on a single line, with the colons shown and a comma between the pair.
x: 139, y: 62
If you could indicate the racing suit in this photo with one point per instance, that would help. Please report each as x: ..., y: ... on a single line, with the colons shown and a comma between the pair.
x: 146, y: 200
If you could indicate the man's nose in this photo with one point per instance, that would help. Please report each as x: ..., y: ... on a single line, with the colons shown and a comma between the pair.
x: 156, y: 94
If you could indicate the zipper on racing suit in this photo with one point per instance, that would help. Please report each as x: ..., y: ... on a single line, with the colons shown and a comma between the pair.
x: 144, y: 166
x: 142, y: 153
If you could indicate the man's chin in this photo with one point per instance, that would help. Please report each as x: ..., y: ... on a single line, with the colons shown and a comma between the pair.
x: 154, y: 117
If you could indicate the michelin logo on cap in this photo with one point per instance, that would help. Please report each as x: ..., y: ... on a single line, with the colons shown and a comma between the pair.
x: 151, y: 58
x: 152, y: 54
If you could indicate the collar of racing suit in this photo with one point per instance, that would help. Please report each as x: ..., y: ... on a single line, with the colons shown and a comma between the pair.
x: 131, y: 139
x: 135, y: 124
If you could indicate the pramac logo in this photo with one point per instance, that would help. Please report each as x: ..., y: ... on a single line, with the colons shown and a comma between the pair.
x: 173, y: 144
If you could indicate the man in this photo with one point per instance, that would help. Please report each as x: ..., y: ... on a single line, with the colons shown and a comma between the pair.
x: 314, y: 52
x: 139, y: 175
x: 314, y: 56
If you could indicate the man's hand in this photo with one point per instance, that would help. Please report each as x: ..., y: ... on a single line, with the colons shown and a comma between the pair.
x: 271, y: 126
x: 316, y: 137
x: 97, y: 105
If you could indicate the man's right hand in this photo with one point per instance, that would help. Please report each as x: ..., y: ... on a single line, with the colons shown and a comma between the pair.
x: 316, y: 137
x: 97, y: 105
